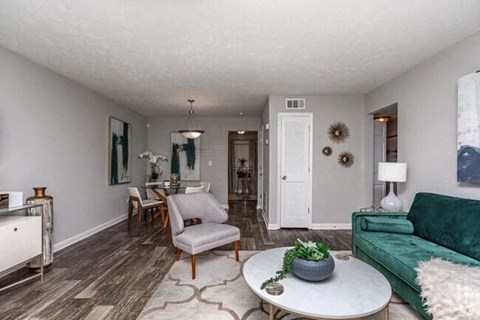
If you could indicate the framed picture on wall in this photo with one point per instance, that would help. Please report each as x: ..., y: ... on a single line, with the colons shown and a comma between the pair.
x: 119, y: 151
x: 468, y: 147
x: 185, y: 157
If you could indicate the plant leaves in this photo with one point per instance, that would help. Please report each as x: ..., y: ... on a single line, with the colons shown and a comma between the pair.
x: 308, y: 250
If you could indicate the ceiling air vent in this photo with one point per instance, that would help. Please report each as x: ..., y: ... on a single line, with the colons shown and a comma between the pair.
x: 295, y: 104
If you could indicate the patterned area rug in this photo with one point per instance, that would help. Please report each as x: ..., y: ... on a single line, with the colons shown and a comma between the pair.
x: 221, y: 293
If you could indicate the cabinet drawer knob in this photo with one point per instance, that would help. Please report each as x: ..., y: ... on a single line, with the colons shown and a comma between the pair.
x: 15, y: 229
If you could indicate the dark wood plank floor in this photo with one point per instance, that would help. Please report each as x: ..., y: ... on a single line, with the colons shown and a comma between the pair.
x: 112, y: 274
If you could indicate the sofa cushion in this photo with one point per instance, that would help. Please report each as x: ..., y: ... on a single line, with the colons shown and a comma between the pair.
x: 448, y: 221
x: 386, y: 224
x: 401, y: 253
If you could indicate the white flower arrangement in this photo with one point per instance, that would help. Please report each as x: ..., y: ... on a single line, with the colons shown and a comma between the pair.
x: 154, y: 161
x: 153, y: 158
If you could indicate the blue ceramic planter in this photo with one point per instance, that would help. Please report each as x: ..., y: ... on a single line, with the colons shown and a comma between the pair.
x: 313, y: 270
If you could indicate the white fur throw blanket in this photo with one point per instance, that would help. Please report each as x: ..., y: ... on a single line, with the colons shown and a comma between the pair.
x: 450, y: 291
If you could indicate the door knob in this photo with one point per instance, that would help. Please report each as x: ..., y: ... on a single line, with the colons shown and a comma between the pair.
x: 284, y: 178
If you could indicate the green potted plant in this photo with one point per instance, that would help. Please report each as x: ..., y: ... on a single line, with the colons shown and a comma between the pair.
x: 308, y: 260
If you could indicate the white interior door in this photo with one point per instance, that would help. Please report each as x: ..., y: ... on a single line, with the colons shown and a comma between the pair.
x: 295, y: 149
x: 379, y: 155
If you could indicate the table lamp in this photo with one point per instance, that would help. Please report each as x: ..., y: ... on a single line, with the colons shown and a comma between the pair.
x: 392, y: 172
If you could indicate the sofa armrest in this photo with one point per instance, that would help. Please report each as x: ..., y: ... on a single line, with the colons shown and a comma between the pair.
x: 357, y: 222
x: 357, y: 218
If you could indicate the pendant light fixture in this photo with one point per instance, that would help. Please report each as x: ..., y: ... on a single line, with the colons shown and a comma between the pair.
x: 193, y: 130
x: 381, y: 118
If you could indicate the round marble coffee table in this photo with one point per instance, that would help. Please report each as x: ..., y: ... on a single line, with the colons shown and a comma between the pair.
x: 354, y: 290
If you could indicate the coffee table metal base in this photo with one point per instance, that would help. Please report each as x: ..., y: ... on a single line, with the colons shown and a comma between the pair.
x: 271, y: 312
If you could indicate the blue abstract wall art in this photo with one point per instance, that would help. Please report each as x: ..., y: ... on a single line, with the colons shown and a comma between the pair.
x: 119, y: 151
x: 185, y: 157
x: 468, y: 146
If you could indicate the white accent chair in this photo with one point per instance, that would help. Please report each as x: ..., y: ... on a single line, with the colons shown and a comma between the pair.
x: 206, y: 186
x: 194, y: 189
x: 135, y: 202
x: 197, y: 238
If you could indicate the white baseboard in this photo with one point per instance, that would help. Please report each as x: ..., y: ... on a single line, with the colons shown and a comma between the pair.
x: 264, y: 217
x: 331, y: 226
x: 68, y: 242
x: 273, y: 226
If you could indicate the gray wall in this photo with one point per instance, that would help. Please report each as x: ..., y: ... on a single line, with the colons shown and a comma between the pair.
x: 53, y: 133
x: 427, y: 121
x: 213, y: 146
x: 337, y: 191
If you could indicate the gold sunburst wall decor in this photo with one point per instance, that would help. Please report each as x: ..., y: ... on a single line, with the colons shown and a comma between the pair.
x: 346, y: 159
x: 338, y: 132
x: 327, y: 151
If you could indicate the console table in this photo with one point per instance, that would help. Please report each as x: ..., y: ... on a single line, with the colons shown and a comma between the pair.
x: 244, y: 181
x: 21, y: 240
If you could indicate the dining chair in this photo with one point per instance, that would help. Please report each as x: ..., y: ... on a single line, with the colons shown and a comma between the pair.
x: 197, y: 238
x: 136, y: 202
x: 152, y: 188
x: 156, y: 194
x: 194, y: 189
x: 205, y: 185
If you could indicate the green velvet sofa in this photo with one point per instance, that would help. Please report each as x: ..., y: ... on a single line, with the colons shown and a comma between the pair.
x: 436, y: 226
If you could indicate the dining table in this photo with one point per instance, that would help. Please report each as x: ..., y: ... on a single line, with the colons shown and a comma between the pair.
x: 169, y: 189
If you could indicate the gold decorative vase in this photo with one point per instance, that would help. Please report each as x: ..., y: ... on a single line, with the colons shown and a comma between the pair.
x: 47, y: 205
x: 174, y: 179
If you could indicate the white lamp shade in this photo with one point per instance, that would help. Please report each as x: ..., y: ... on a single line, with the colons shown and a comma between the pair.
x: 392, y: 171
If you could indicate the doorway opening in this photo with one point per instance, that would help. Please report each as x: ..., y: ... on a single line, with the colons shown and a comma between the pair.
x: 242, y: 165
x: 384, y: 147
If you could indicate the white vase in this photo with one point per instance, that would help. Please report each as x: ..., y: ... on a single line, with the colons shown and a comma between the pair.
x: 391, y: 202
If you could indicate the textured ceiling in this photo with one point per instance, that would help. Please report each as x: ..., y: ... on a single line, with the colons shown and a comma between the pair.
x: 229, y: 55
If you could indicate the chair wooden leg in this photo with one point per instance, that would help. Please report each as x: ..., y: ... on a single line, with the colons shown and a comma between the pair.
x: 130, y: 214
x: 236, y: 247
x: 154, y: 215
x: 158, y: 211
x: 139, y: 218
x: 147, y: 212
x: 167, y: 218
x: 163, y: 214
x: 177, y: 256
x: 194, y: 261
